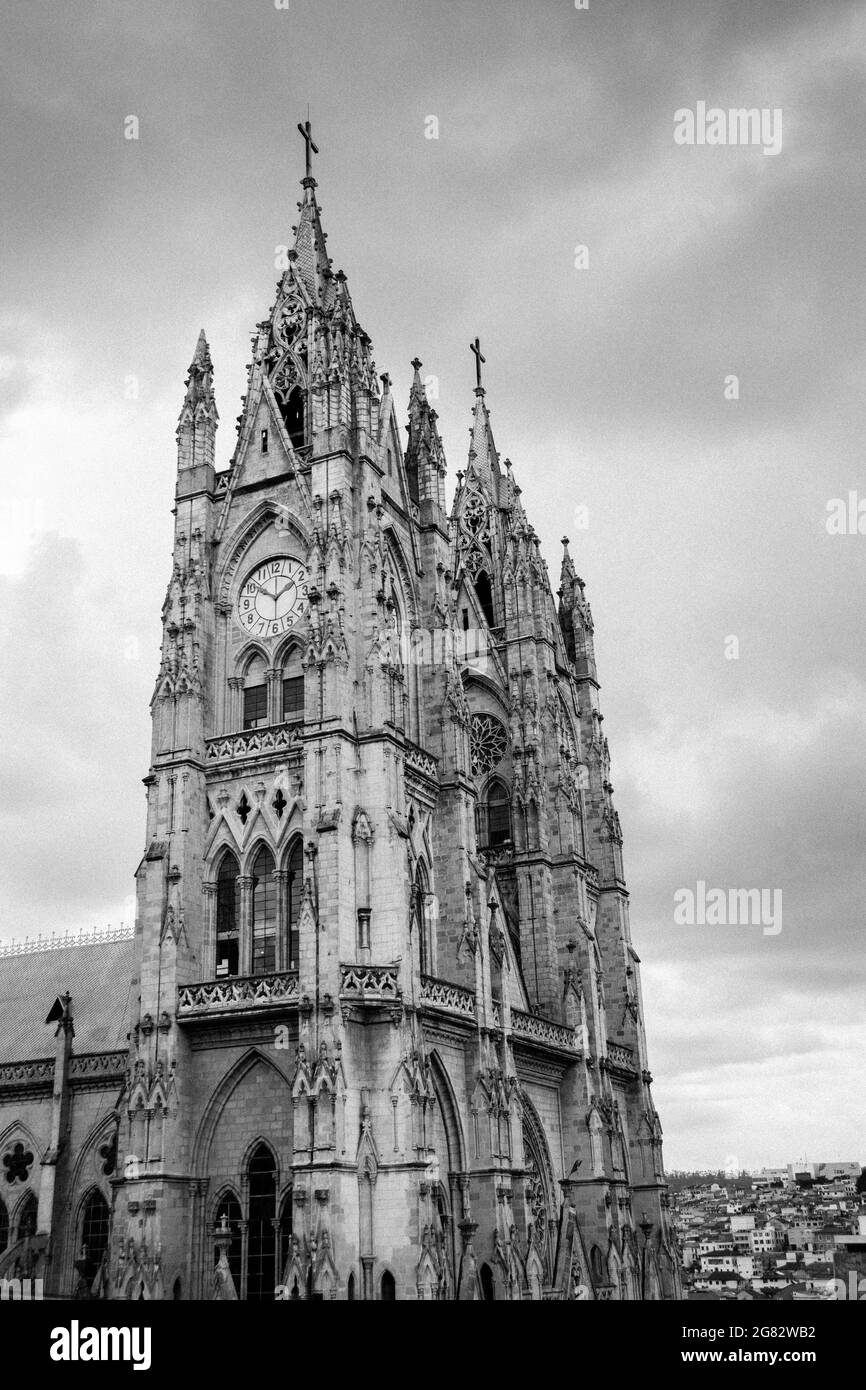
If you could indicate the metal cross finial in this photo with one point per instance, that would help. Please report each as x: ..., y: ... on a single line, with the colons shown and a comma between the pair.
x: 310, y: 145
x: 476, y: 349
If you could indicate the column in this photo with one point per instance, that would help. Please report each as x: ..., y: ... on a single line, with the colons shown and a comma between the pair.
x: 282, y: 878
x: 235, y: 719
x: 273, y: 677
x: 208, y: 963
x: 245, y: 929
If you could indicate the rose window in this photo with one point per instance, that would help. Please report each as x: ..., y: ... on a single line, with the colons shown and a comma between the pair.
x: 488, y: 741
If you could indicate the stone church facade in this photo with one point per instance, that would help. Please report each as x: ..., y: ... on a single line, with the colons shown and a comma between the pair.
x: 385, y: 1030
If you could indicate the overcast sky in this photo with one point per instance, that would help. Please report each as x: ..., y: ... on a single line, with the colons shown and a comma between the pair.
x: 706, y: 516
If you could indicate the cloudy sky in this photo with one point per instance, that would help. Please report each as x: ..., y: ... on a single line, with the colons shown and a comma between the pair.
x: 706, y: 515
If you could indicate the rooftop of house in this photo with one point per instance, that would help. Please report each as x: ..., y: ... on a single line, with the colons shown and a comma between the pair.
x: 96, y: 971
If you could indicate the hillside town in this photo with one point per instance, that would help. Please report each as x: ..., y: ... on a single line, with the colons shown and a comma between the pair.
x: 791, y: 1233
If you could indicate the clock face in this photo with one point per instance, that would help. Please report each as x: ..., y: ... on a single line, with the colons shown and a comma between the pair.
x: 273, y: 598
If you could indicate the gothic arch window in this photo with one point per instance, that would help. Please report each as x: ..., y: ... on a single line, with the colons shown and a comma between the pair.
x: 294, y: 891
x: 388, y: 1288
x: 264, y: 913
x: 228, y: 917
x: 293, y: 413
x: 595, y: 1264
x: 261, y: 1235
x: 488, y: 1292
x: 228, y: 1213
x: 255, y: 694
x: 484, y: 590
x: 350, y: 1289
x: 177, y: 1287
x: 4, y: 1226
x: 488, y: 742
x: 422, y: 922
x: 93, y: 1236
x: 539, y: 1183
x: 493, y: 816
x: 27, y: 1217
x: 293, y: 687
x: 284, y: 1233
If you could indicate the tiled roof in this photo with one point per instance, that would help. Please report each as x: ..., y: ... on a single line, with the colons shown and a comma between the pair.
x: 97, y: 976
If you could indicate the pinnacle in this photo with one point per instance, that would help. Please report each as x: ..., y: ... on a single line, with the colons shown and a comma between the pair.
x: 201, y: 357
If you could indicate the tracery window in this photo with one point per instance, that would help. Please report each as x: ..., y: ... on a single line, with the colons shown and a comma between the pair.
x: 422, y: 925
x: 293, y: 687
x: 228, y: 917
x: 94, y: 1236
x: 493, y: 817
x: 294, y: 890
x: 264, y: 915
x: 488, y: 742
x: 261, y: 1233
x: 255, y: 695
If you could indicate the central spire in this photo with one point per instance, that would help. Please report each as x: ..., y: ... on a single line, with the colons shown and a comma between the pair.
x: 310, y: 249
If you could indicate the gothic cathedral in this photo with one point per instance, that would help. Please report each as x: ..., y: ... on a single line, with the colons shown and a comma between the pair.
x: 386, y: 1038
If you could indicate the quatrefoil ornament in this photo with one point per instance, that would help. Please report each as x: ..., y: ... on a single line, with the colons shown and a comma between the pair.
x: 17, y: 1163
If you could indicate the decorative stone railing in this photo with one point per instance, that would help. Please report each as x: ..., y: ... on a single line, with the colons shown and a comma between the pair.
x: 454, y: 999
x: 277, y: 738
x: 369, y: 984
x: 40, y: 1072
x: 244, y: 994
x: 620, y: 1057
x: 93, y: 1065
x: 543, y: 1030
x: 85, y: 1067
x: 422, y: 763
x: 62, y: 941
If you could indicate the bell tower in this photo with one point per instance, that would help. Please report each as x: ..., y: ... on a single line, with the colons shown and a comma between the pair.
x: 386, y: 1037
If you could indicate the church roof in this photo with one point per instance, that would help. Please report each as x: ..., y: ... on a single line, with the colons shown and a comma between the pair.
x: 98, y: 976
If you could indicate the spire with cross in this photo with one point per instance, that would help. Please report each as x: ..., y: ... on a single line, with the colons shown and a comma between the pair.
x: 307, y: 136
x: 475, y: 348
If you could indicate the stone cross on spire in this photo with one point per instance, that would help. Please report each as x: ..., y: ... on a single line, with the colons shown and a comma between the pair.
x: 475, y: 348
x: 307, y: 136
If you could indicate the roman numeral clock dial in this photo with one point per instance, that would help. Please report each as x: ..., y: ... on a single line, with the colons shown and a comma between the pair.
x: 273, y: 599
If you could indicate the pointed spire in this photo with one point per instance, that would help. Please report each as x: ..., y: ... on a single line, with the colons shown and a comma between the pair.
x: 197, y: 423
x: 310, y: 252
x: 425, y: 456
x: 568, y: 575
x: 483, y: 458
